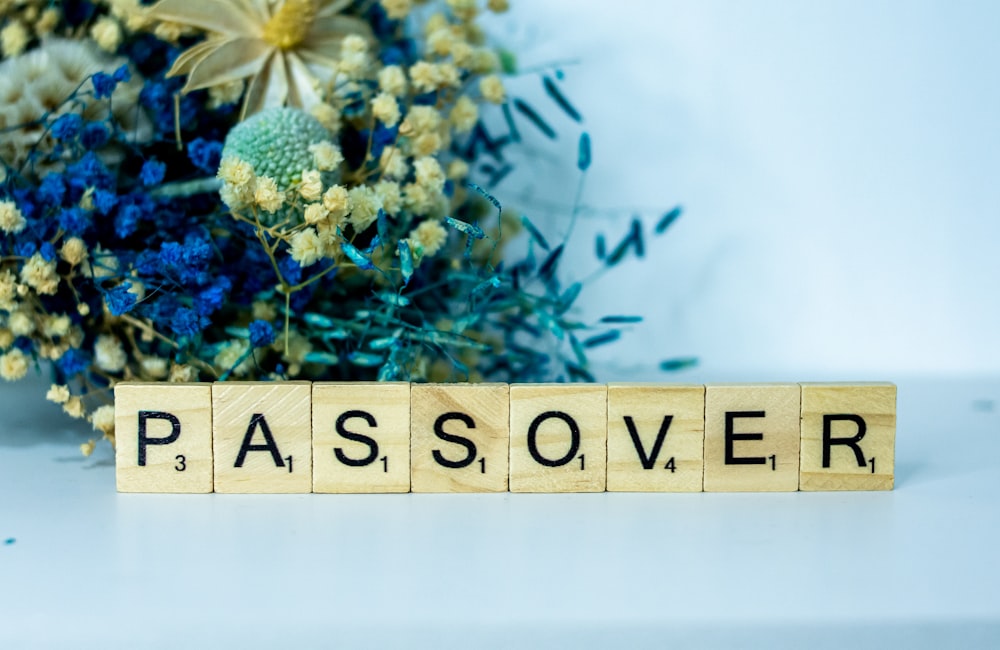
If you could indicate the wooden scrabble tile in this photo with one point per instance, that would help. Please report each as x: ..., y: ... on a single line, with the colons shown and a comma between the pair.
x: 751, y: 437
x: 163, y: 437
x: 459, y: 437
x: 361, y: 437
x: 656, y: 437
x: 262, y: 436
x: 848, y: 436
x: 558, y: 437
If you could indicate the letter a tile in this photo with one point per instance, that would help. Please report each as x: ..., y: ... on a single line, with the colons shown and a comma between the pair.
x: 361, y: 437
x: 848, y: 436
x: 459, y: 437
x: 656, y: 437
x: 163, y: 437
x: 558, y: 437
x: 751, y: 437
x: 262, y: 436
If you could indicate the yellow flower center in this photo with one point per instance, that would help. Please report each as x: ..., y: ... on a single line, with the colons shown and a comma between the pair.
x: 290, y: 24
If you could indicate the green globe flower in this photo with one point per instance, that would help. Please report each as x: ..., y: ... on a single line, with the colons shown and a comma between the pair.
x: 281, y: 144
x: 276, y: 143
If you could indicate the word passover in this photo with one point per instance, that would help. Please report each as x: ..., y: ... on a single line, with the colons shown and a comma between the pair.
x: 400, y: 437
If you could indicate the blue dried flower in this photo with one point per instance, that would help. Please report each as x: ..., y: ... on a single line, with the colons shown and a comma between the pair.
x: 74, y: 221
x: 152, y: 172
x: 120, y: 300
x: 205, y: 154
x: 48, y: 251
x: 187, y: 323
x: 105, y: 201
x: 66, y: 127
x: 104, y: 85
x: 52, y: 190
x: 72, y: 362
x: 94, y: 135
x: 261, y: 334
x: 122, y: 74
x: 127, y: 220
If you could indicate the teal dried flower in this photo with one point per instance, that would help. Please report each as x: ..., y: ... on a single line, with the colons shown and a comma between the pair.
x: 276, y: 142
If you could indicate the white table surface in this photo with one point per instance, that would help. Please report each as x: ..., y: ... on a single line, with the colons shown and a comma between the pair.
x: 83, y: 566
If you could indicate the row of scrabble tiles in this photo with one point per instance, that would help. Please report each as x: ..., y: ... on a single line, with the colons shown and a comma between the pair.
x: 371, y: 437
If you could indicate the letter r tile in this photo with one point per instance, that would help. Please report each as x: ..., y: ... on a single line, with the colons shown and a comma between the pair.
x: 848, y: 436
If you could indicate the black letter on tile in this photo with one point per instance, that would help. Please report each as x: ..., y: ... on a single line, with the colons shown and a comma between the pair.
x: 470, y: 447
x: 269, y: 445
x: 357, y: 437
x: 648, y: 462
x: 731, y: 437
x: 829, y: 440
x: 574, y: 432
x: 175, y: 432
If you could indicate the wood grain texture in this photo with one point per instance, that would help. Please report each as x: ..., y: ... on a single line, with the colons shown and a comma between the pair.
x: 184, y: 465
x: 656, y: 437
x: 346, y: 462
x: 459, y: 437
x: 242, y: 413
x: 855, y: 459
x: 769, y: 412
x: 543, y: 418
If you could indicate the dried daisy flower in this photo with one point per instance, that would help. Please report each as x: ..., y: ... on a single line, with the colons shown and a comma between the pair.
x: 282, y: 50
x: 33, y: 91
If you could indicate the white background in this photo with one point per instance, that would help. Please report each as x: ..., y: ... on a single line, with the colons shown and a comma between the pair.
x: 838, y: 165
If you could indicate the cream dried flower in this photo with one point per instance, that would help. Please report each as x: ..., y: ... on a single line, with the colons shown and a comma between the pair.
x: 21, y: 323
x: 267, y: 196
x: 307, y: 249
x: 386, y: 109
x: 392, y: 80
x: 103, y: 419
x: 315, y: 213
x: 13, y: 365
x: 393, y: 163
x: 74, y: 407
x: 235, y: 171
x: 492, y: 89
x: 397, y: 9
x: 390, y: 195
x: 109, y: 354
x: 285, y: 50
x: 155, y: 367
x: 429, y: 237
x: 13, y: 38
x: 326, y: 115
x: 337, y: 202
x: 59, y: 394
x: 365, y: 205
x: 40, y: 275
x: 429, y: 174
x: 106, y: 33
x: 73, y: 250
x: 11, y: 219
x: 464, y: 115
x: 233, y: 356
x: 311, y: 187
x: 326, y: 155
